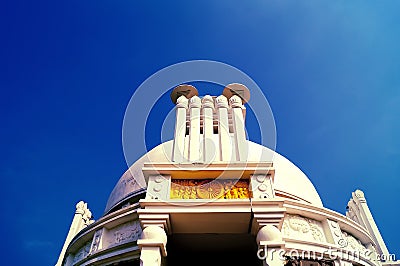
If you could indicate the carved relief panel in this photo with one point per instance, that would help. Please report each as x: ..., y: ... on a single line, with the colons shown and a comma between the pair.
x: 209, y: 189
x: 299, y: 227
x: 83, y: 252
x: 97, y: 241
x: 124, y: 233
x: 337, y: 235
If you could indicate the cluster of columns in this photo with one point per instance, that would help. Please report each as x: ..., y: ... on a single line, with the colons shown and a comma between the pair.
x: 199, y: 114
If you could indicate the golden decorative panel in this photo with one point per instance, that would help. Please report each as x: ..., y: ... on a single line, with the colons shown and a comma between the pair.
x: 209, y: 189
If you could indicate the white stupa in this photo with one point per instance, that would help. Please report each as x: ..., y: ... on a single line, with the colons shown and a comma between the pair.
x: 210, y: 196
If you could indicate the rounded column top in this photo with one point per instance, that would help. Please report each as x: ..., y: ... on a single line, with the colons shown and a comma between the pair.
x: 221, y: 102
x: 185, y: 89
x: 237, y: 89
x: 208, y: 102
x: 195, y: 102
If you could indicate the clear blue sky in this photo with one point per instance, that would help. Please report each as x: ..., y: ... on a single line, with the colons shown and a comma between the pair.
x: 329, y: 69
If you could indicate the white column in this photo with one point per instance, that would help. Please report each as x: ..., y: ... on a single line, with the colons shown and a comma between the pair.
x: 238, y: 128
x: 269, y: 240
x: 225, y: 143
x: 209, y: 147
x: 150, y: 256
x: 152, y: 246
x: 180, y: 130
x: 82, y: 218
x: 194, y: 129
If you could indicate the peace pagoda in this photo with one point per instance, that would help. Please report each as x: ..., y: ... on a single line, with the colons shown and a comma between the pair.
x: 211, y: 197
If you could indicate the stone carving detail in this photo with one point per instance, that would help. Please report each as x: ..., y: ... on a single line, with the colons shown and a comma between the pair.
x: 261, y: 186
x: 209, y: 189
x: 96, y: 241
x: 158, y: 187
x: 83, y: 252
x: 353, y: 243
x: 337, y: 233
x: 126, y: 232
x: 87, y: 217
x: 351, y: 213
x: 299, y: 227
x: 129, y: 181
x: 359, y: 194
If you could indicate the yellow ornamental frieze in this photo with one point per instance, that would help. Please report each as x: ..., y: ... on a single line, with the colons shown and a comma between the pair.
x: 209, y: 189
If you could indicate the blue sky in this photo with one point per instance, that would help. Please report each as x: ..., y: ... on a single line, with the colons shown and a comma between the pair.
x: 329, y: 69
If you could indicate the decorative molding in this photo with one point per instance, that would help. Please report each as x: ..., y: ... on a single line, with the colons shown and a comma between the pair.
x: 359, y: 194
x: 261, y: 186
x: 126, y: 232
x: 299, y: 227
x: 158, y: 187
x: 353, y: 212
x: 353, y: 243
x: 209, y: 189
x: 83, y: 252
x: 96, y: 243
x: 336, y: 233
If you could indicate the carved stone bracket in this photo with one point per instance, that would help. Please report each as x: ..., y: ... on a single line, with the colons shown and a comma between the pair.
x: 158, y: 219
x: 267, y: 213
x: 261, y: 186
x: 159, y: 187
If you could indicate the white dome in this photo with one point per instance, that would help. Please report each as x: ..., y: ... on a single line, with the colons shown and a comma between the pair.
x: 289, y: 181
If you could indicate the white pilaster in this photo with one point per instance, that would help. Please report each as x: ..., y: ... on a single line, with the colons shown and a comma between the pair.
x: 194, y: 129
x: 152, y: 246
x: 209, y: 147
x: 365, y: 216
x: 180, y: 130
x: 238, y: 128
x: 269, y: 240
x: 225, y: 144
x: 82, y: 218
x: 150, y: 256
